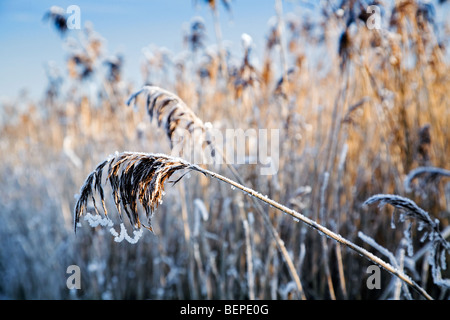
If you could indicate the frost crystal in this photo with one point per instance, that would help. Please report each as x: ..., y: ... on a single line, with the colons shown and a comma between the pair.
x: 392, y: 221
x: 246, y: 41
x: 124, y: 234
x: 408, y: 237
x: 95, y: 220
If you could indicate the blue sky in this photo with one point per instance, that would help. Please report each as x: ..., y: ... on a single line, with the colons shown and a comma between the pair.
x: 28, y: 43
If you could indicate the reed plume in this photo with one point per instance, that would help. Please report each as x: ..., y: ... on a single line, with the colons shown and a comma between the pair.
x: 171, y: 113
x: 134, y: 178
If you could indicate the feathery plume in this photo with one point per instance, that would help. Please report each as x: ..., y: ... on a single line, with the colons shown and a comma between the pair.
x: 134, y: 178
x: 170, y: 111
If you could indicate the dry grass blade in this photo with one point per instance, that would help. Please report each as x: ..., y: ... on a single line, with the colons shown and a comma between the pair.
x: 170, y: 111
x: 134, y: 178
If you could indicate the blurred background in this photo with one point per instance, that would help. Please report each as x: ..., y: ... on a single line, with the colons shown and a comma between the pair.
x: 126, y: 28
x: 360, y: 98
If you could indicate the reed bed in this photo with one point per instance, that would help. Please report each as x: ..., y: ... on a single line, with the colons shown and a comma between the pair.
x: 366, y: 124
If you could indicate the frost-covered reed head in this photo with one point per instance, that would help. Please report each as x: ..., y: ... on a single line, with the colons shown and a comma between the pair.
x: 135, y: 179
x: 170, y: 111
x: 439, y: 247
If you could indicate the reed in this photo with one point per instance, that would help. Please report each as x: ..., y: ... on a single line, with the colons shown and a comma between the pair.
x: 142, y: 178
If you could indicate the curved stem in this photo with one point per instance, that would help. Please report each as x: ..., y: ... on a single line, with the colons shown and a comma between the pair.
x: 323, y: 230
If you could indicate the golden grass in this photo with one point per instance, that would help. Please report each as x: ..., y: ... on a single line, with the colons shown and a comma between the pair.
x: 366, y: 124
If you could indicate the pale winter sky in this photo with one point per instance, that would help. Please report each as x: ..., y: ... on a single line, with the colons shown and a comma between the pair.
x: 28, y: 43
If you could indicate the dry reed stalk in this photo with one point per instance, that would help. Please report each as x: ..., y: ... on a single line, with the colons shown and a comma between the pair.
x: 218, y: 31
x: 140, y: 177
x: 187, y: 238
x: 280, y: 32
x: 249, y: 260
x: 398, y: 283
x: 340, y: 172
x: 324, y: 240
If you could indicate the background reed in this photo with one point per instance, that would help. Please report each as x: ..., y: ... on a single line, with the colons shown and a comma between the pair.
x: 370, y: 112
